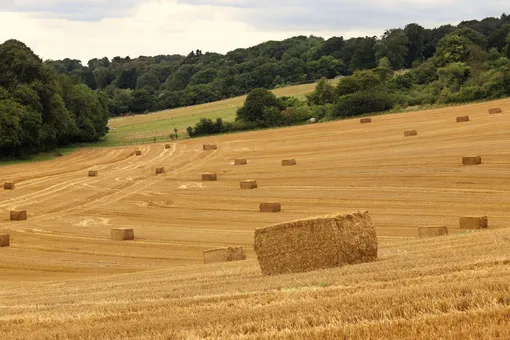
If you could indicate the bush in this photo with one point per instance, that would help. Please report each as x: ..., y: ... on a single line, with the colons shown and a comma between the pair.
x: 361, y: 103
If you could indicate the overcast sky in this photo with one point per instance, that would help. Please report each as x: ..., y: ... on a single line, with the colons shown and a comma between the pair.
x: 84, y: 29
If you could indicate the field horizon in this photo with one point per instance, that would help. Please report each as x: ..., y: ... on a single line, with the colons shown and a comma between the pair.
x: 62, y: 276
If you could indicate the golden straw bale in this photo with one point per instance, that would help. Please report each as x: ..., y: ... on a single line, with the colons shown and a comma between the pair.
x: 495, y: 110
x: 210, y: 147
x: 5, y: 240
x: 471, y: 222
x: 240, y: 161
x: 462, y: 119
x: 209, y: 177
x: 167, y: 146
x: 138, y: 152
x: 410, y: 133
x: 227, y: 254
x: 249, y: 184
x: 270, y: 207
x: 18, y: 215
x: 289, y: 162
x: 365, y: 120
x: 160, y: 170
x: 432, y: 231
x: 472, y: 160
x: 316, y: 243
x: 93, y: 173
x: 8, y: 186
x: 122, y: 234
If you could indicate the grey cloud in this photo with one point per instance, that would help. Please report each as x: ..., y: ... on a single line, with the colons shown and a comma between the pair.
x: 356, y: 14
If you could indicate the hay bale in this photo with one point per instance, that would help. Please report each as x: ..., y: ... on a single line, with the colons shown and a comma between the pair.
x: 58, y: 154
x: 138, y: 152
x: 495, y: 110
x: 167, y: 146
x: 289, y: 162
x: 270, y: 207
x: 93, y: 173
x: 410, y: 133
x: 472, y: 160
x: 5, y: 240
x: 432, y: 231
x: 210, y: 147
x: 8, y: 186
x: 471, y: 222
x: 18, y: 215
x: 227, y: 254
x: 122, y: 234
x: 462, y: 119
x: 365, y: 120
x: 316, y: 243
x: 240, y: 161
x: 209, y: 177
x: 160, y: 170
x: 249, y: 184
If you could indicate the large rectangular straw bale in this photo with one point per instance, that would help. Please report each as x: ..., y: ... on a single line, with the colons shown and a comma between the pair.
x: 167, y: 146
x: 462, y: 119
x: 432, y: 231
x: 410, y: 133
x: 249, y: 184
x: 227, y: 254
x: 160, y: 170
x: 270, y: 207
x: 138, y: 152
x: 18, y: 215
x: 210, y: 147
x: 120, y: 234
x: 472, y: 222
x: 365, y: 120
x: 495, y: 110
x: 240, y: 161
x: 209, y: 177
x: 316, y: 243
x: 5, y: 240
x: 9, y: 186
x: 93, y: 173
x: 289, y: 162
x: 471, y: 160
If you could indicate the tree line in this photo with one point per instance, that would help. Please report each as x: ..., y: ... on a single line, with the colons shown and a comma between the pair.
x: 41, y: 109
x: 147, y: 84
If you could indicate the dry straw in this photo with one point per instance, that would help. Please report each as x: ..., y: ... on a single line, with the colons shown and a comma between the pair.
x: 123, y: 234
x: 472, y: 222
x: 432, y: 231
x: 240, y: 161
x: 160, y: 170
x: 228, y: 254
x: 93, y: 173
x: 18, y: 215
x: 8, y: 186
x: 495, y: 110
x: 472, y: 160
x: 138, y: 152
x: 167, y: 146
x: 210, y: 147
x: 316, y: 243
x: 289, y: 162
x: 209, y: 177
x: 5, y: 240
x: 410, y: 133
x: 365, y: 120
x: 249, y: 184
x: 462, y: 119
x: 270, y: 207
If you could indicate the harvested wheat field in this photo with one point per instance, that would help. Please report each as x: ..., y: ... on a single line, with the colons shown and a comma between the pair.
x: 63, y: 277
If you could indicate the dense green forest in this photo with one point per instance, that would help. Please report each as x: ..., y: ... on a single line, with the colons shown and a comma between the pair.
x: 48, y: 104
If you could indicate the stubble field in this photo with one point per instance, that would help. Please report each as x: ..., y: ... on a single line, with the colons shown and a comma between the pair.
x: 62, y: 278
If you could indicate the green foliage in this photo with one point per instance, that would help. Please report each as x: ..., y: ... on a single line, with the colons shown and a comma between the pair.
x: 324, y: 93
x: 257, y: 103
x: 362, y: 102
